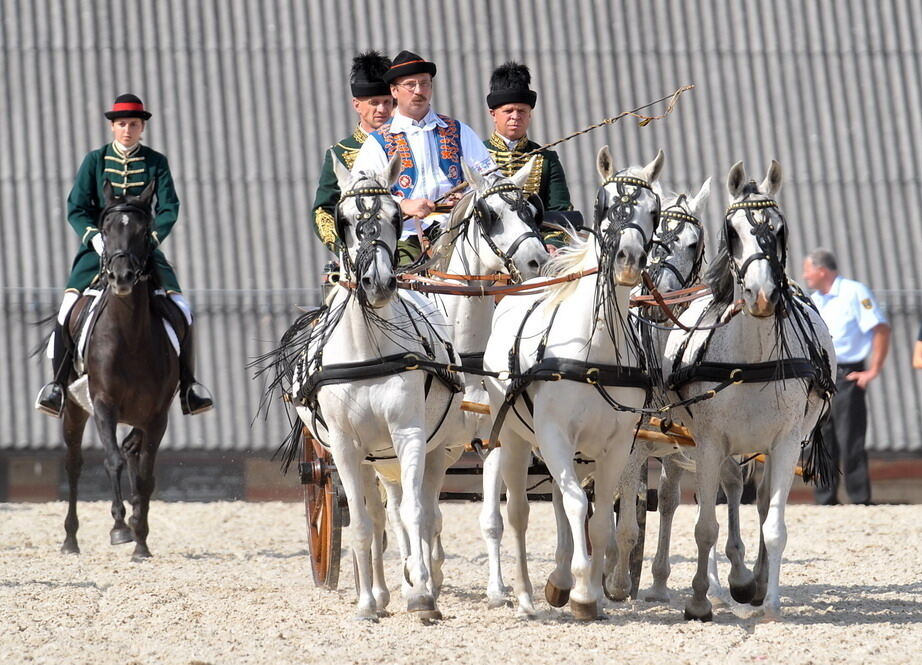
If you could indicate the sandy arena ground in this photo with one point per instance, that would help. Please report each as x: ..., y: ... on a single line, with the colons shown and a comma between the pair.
x: 230, y: 583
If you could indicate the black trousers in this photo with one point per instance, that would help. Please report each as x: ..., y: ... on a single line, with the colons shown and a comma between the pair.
x: 844, y: 433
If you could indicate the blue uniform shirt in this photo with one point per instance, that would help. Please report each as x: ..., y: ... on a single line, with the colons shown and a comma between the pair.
x: 851, y: 313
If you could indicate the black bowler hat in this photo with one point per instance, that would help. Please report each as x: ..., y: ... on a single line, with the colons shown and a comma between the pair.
x: 408, y: 63
x: 509, y: 85
x: 127, y: 106
x: 367, y: 71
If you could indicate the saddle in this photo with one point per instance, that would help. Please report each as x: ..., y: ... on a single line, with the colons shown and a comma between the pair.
x: 81, y: 320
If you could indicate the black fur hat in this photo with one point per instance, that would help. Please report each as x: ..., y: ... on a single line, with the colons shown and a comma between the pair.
x: 367, y: 71
x: 509, y: 85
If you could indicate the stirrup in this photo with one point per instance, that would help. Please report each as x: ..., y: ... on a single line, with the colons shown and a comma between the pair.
x: 50, y: 400
x: 192, y: 403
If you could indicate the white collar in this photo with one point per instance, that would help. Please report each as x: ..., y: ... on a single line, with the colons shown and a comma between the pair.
x: 126, y: 152
x: 402, y: 123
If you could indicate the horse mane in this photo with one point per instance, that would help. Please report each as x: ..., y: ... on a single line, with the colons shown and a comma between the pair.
x: 719, y: 276
x: 580, y: 254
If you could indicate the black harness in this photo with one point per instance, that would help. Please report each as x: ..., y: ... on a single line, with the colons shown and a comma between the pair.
x: 514, y: 198
x: 664, y: 240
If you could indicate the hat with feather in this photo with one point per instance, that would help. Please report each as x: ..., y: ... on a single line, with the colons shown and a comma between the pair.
x: 509, y: 85
x: 366, y: 79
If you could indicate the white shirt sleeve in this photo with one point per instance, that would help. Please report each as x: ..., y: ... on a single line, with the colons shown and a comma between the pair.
x: 473, y: 151
x: 371, y: 158
x: 868, y: 312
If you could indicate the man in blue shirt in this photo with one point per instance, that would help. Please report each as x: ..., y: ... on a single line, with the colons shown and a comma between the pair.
x: 861, y: 336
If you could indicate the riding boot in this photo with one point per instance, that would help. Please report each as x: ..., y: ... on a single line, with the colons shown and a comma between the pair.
x: 50, y: 400
x: 194, y: 398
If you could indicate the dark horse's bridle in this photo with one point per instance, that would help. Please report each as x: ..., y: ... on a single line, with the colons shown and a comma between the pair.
x: 137, y: 264
x: 664, y: 241
x: 763, y: 224
x: 512, y: 196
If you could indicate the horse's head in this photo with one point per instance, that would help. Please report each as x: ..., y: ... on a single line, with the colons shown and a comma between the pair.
x: 125, y: 224
x: 755, y: 238
x: 507, y: 219
x: 368, y: 222
x: 627, y: 213
x: 678, y: 245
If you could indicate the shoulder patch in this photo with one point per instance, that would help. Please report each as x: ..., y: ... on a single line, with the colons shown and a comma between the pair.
x: 866, y: 303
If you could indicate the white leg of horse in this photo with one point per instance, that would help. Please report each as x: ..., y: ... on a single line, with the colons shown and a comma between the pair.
x: 394, y: 499
x: 437, y: 461
x: 618, y: 579
x: 741, y: 580
x: 515, y: 460
x: 774, y: 531
x: 410, y: 444
x: 491, y: 526
x: 361, y: 526
x: 560, y: 581
x: 707, y: 479
x: 669, y: 495
x: 601, y: 524
x: 557, y: 453
x: 376, y: 512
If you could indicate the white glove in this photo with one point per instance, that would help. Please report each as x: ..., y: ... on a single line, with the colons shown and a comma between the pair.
x: 98, y: 244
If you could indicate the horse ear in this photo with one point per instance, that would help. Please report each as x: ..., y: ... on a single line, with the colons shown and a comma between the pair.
x: 772, y: 183
x: 107, y: 191
x: 736, y: 178
x: 343, y: 176
x: 462, y: 210
x: 392, y: 172
x: 652, y: 170
x: 472, y: 176
x: 604, y: 164
x: 147, y: 195
x: 698, y: 203
x: 522, y: 174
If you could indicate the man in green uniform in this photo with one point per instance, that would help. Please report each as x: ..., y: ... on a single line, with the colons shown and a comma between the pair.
x: 511, y: 104
x: 373, y: 103
x: 128, y: 166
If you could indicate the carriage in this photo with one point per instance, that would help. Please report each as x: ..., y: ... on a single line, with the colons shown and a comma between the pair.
x: 327, y: 508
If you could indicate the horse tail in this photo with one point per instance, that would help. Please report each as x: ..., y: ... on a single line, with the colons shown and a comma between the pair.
x: 39, y: 349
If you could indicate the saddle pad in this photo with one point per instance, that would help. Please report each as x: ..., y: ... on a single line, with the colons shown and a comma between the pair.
x: 80, y: 349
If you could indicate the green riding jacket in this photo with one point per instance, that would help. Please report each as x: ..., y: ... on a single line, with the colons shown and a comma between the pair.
x: 128, y: 174
x: 327, y: 195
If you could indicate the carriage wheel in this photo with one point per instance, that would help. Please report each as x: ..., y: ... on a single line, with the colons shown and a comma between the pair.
x: 325, y: 507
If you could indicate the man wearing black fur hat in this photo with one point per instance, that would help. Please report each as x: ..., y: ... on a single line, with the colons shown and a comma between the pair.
x: 511, y: 104
x: 373, y: 103
x: 432, y: 147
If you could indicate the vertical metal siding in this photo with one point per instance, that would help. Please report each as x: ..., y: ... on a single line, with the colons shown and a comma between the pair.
x: 246, y: 96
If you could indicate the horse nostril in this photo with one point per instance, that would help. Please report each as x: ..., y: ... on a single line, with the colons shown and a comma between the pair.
x: 392, y: 283
x: 366, y: 281
x: 533, y: 264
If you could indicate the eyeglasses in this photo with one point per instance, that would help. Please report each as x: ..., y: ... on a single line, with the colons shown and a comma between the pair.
x: 410, y: 86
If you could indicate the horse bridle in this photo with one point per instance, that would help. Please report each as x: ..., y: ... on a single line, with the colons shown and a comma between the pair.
x: 764, y: 231
x: 663, y: 244
x: 367, y: 225
x: 621, y: 212
x: 136, y: 264
x: 519, y: 204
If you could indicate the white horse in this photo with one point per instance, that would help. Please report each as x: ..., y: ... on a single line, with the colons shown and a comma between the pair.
x: 361, y: 394
x: 493, y: 230
x: 780, y: 352
x: 577, y: 332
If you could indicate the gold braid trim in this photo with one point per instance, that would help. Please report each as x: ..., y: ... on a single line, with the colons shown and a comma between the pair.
x: 326, y: 226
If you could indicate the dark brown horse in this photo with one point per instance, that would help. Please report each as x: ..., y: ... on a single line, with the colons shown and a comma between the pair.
x: 132, y: 371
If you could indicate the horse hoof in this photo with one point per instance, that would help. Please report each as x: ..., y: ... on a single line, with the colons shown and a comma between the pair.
x: 556, y: 597
x: 692, y: 614
x: 368, y: 615
x: 494, y: 602
x: 585, y: 611
x: 617, y: 595
x: 657, y: 596
x: 744, y: 593
x: 121, y: 536
x: 141, y: 554
x: 70, y: 547
x: 421, y: 603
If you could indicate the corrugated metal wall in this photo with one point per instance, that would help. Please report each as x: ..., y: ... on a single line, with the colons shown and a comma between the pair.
x: 247, y: 95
